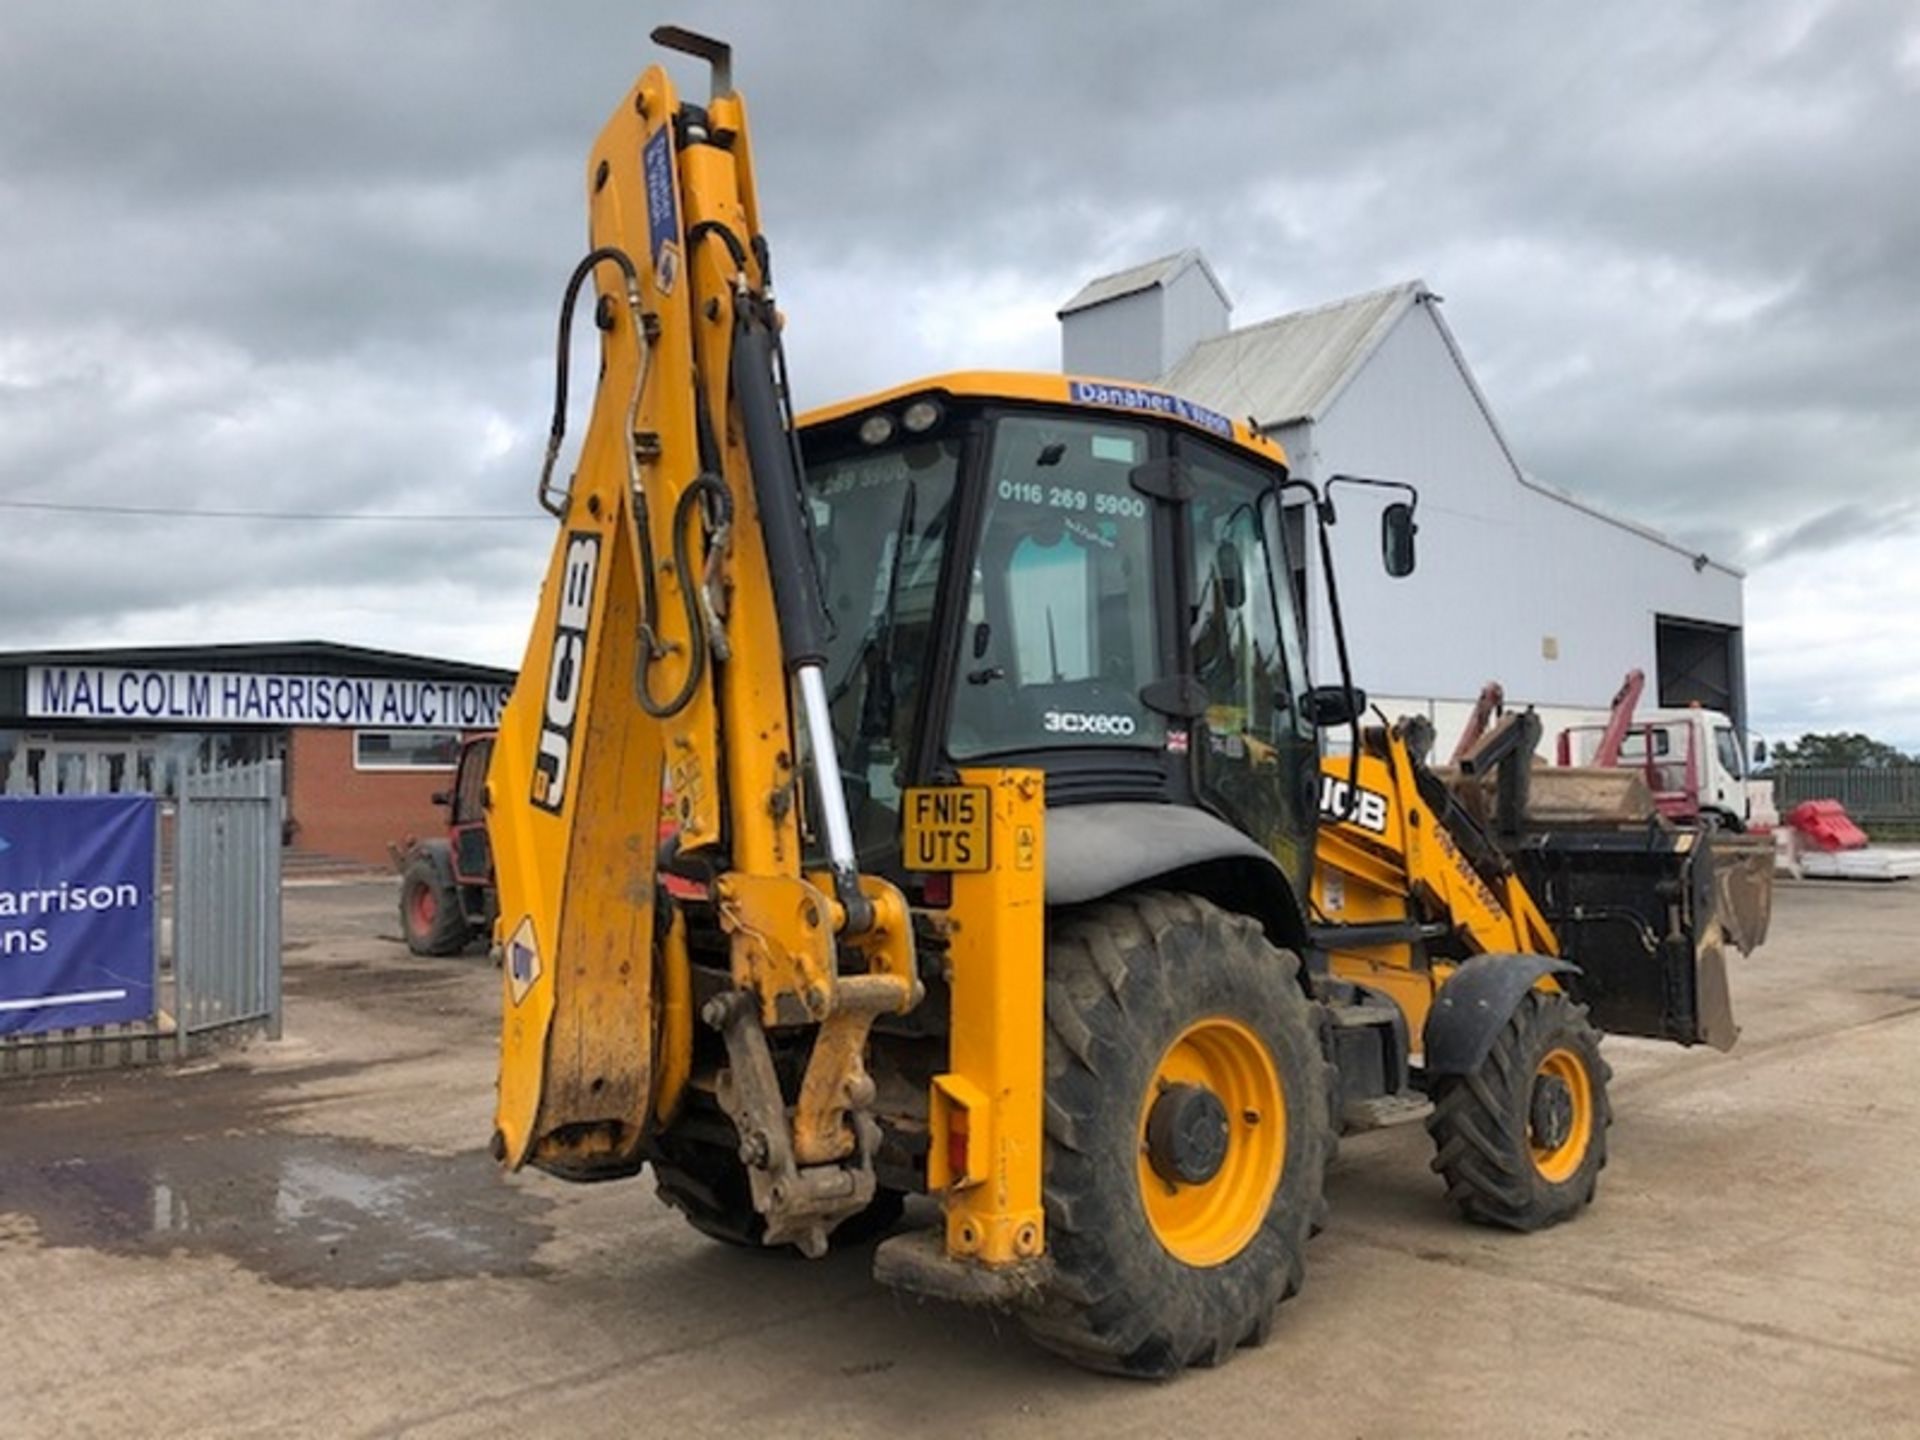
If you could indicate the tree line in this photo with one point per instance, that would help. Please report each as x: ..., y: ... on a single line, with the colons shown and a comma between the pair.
x: 1840, y: 750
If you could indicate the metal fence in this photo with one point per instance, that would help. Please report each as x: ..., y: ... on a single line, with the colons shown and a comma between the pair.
x: 1872, y: 795
x: 218, y: 921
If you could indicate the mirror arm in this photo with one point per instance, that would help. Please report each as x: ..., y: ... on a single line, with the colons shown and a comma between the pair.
x: 1406, y: 487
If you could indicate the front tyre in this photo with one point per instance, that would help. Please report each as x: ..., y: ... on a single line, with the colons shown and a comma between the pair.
x: 1187, y: 1134
x: 1522, y: 1139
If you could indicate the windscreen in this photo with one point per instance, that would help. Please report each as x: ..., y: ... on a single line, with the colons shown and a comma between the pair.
x: 1059, y: 635
x: 881, y: 520
x: 1728, y: 744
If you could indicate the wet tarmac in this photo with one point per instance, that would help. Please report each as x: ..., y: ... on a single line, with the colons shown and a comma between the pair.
x: 297, y: 1209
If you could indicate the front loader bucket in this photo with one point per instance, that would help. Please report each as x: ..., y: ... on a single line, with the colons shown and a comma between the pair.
x: 1648, y: 913
x: 1738, y: 869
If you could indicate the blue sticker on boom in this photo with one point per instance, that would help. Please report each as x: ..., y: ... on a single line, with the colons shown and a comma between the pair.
x: 1154, y: 402
x: 663, y: 214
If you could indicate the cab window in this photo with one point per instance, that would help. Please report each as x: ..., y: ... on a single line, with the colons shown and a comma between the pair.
x: 1059, y: 633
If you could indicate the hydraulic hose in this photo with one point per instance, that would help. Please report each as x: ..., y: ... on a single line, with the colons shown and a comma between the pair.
x: 692, y: 592
x: 553, y: 501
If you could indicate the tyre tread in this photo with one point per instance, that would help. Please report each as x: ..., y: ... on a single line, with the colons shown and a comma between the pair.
x: 1116, y: 971
x: 1479, y: 1129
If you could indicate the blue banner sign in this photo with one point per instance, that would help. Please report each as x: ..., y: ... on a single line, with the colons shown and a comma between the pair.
x: 76, y: 911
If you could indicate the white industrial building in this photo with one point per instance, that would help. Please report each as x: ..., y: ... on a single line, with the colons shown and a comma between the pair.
x: 1516, y: 582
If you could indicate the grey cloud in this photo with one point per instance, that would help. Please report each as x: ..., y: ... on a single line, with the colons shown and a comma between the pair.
x: 1841, y: 525
x: 308, y: 256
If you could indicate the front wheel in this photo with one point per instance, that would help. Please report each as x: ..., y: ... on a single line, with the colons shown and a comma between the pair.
x: 1187, y: 1134
x: 1522, y: 1139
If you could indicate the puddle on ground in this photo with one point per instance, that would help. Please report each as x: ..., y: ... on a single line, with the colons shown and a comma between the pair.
x: 300, y: 1210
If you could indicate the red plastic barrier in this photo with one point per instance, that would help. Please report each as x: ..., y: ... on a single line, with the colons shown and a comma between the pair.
x: 1826, y: 825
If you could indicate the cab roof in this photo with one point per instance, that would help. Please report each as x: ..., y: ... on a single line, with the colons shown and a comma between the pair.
x: 1075, y: 391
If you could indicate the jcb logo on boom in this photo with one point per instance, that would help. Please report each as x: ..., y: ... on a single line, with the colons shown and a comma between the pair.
x: 1367, y: 808
x: 552, y: 763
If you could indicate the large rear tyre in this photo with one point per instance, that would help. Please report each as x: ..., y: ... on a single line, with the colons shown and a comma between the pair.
x: 710, y: 1188
x: 1187, y: 1134
x: 430, y: 914
x: 1522, y: 1140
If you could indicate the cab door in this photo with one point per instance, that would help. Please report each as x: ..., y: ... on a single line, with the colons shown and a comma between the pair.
x: 472, y: 855
x: 1255, y: 759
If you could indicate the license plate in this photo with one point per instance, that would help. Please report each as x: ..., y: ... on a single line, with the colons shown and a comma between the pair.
x: 944, y: 827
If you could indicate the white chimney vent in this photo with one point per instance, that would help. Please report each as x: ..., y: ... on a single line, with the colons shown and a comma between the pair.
x: 1140, y: 323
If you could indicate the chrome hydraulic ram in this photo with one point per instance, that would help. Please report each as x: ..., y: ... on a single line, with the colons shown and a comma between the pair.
x: 796, y: 580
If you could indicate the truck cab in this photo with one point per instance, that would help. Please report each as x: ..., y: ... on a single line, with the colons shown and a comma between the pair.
x: 1692, y: 759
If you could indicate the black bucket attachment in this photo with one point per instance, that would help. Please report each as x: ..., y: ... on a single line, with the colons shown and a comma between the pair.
x: 1648, y: 913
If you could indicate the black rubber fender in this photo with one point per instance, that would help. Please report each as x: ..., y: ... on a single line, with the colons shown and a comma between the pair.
x: 1475, y: 1003
x: 438, y: 853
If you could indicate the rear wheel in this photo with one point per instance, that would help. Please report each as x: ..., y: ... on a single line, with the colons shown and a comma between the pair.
x: 430, y: 914
x: 1522, y: 1140
x: 1187, y: 1134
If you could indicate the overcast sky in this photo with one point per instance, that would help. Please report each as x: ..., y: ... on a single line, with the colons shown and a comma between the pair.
x: 305, y: 257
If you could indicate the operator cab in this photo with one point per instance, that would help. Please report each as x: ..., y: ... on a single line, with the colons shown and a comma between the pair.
x: 1086, y: 578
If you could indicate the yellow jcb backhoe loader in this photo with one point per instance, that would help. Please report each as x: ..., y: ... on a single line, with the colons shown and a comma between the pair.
x: 996, y: 788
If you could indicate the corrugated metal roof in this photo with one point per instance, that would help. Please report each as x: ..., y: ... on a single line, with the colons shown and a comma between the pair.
x: 1142, y: 277
x: 1292, y: 367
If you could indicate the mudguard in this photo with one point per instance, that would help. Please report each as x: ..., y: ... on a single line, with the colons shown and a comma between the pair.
x: 1094, y: 850
x: 437, y: 852
x: 1473, y: 1005
x: 1098, y: 850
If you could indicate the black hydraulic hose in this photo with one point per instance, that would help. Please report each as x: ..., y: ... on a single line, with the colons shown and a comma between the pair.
x: 726, y: 236
x: 697, y: 648
x: 557, y: 432
x: 706, y: 486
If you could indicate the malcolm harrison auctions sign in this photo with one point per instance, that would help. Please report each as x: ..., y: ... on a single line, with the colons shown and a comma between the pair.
x: 245, y: 697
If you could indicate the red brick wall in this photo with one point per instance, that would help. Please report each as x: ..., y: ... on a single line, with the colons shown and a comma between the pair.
x: 338, y: 810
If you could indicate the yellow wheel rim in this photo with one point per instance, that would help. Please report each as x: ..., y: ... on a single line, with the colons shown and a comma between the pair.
x: 1557, y: 1160
x: 1208, y: 1222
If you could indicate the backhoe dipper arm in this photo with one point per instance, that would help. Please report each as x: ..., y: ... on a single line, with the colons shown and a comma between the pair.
x: 682, y: 557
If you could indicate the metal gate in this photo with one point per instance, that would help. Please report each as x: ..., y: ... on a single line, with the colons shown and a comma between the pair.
x: 217, y: 912
x: 226, y: 908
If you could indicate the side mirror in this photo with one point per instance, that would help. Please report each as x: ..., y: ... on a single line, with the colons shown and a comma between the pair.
x: 1328, y: 705
x: 1227, y: 569
x: 1759, y: 752
x: 1397, y: 530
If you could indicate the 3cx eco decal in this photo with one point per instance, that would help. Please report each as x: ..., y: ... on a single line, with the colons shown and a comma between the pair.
x: 553, y: 762
x: 1075, y: 722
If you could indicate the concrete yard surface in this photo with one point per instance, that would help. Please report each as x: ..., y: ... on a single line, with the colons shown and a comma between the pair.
x: 306, y: 1238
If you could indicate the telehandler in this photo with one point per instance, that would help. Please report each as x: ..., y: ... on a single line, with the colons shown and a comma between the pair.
x: 999, y: 871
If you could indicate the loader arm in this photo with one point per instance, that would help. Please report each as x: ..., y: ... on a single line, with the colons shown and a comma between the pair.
x: 679, y: 604
x: 1399, y: 872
